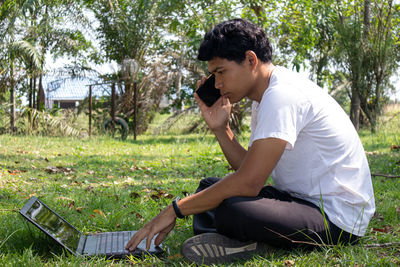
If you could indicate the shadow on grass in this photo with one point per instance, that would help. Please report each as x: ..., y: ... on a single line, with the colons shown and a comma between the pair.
x: 21, y: 235
x: 154, y: 140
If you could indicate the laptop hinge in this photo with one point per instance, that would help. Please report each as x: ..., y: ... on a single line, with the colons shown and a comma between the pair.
x: 81, y: 244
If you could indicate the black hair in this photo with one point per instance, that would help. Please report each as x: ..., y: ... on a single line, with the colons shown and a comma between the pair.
x: 232, y: 38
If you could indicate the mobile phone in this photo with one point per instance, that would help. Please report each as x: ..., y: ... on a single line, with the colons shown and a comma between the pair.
x: 207, y: 91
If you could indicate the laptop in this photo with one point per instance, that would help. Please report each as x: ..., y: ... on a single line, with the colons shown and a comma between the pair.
x: 108, y: 244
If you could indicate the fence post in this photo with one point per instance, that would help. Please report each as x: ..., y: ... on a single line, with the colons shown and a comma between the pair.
x: 113, y: 101
x: 90, y: 110
x: 134, y: 109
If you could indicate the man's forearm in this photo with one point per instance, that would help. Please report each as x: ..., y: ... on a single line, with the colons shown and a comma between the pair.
x: 233, y: 150
x: 257, y: 165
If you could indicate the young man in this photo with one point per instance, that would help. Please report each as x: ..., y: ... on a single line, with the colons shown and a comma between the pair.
x: 322, y: 191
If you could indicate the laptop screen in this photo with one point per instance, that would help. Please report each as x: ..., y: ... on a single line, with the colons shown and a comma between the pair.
x: 54, y: 225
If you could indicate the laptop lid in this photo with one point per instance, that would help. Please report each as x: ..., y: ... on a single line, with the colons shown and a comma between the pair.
x: 55, y: 226
x: 52, y: 224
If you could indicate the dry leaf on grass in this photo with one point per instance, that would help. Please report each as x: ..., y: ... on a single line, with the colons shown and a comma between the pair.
x: 378, y: 216
x: 15, y: 172
x: 133, y: 168
x: 289, y: 263
x: 176, y: 256
x: 386, y: 229
x: 161, y: 193
x: 394, y: 147
x: 65, y: 198
x: 89, y: 188
x: 59, y: 169
x: 71, y: 202
x: 99, y: 212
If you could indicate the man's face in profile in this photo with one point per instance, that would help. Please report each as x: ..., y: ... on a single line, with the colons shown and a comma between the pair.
x: 231, y: 78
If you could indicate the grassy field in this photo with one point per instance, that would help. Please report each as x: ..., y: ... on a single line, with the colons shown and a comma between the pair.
x: 104, y: 184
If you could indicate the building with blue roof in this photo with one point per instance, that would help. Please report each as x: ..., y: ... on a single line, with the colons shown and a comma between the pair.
x: 67, y: 92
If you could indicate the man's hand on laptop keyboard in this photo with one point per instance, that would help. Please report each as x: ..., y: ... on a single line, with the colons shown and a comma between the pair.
x: 162, y: 224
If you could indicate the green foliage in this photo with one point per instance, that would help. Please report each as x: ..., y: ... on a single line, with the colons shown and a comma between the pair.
x: 127, y: 28
x: 60, y: 123
x: 358, y: 39
x: 326, y: 38
x: 302, y: 31
x: 32, y: 30
x: 369, y: 52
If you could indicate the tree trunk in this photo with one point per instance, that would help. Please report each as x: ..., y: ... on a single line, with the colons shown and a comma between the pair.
x: 355, y: 109
x: 40, y: 95
x: 12, y: 98
x: 373, y: 122
x: 367, y: 7
x: 30, y: 92
x: 178, y: 84
x: 34, y: 93
x: 12, y: 102
x: 377, y: 106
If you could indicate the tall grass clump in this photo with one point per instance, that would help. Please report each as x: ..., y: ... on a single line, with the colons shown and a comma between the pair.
x: 55, y: 122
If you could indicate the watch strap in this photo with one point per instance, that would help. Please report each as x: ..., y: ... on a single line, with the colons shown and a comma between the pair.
x: 176, y: 208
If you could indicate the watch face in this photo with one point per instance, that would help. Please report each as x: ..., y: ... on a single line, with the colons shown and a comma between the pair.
x: 207, y: 91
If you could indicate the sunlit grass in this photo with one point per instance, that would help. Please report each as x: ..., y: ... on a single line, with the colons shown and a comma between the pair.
x: 130, y: 181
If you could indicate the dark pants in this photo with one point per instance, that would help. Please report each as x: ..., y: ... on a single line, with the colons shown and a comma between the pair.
x: 273, y: 217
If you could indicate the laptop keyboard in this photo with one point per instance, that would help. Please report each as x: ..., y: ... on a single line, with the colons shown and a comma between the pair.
x: 114, y: 243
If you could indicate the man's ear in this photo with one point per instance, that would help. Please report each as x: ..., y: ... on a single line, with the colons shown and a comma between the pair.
x: 251, y: 57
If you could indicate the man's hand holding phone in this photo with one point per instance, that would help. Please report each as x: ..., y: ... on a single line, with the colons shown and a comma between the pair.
x: 207, y: 91
x: 217, y: 110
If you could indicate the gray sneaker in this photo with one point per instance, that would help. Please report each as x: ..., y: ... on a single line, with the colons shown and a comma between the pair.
x: 212, y: 248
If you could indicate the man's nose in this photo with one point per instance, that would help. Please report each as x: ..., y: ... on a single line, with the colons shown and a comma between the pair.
x: 218, y: 83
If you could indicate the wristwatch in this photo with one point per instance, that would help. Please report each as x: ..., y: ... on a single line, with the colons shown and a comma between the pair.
x: 176, y: 208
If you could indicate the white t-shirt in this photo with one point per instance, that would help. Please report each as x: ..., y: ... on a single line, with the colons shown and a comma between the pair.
x: 324, y: 158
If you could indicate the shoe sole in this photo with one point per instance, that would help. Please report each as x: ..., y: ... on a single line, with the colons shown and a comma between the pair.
x: 212, y: 248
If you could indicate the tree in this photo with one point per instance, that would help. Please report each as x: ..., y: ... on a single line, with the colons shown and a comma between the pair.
x: 302, y: 32
x: 345, y: 43
x: 43, y: 25
x: 370, y: 49
x: 163, y: 33
x: 126, y: 32
x: 12, y: 51
x: 29, y: 31
x: 46, y: 24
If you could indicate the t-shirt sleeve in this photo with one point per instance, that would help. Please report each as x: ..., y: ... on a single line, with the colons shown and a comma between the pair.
x: 278, y: 116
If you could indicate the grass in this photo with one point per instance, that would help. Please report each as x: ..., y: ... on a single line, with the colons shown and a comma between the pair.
x: 104, y: 184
